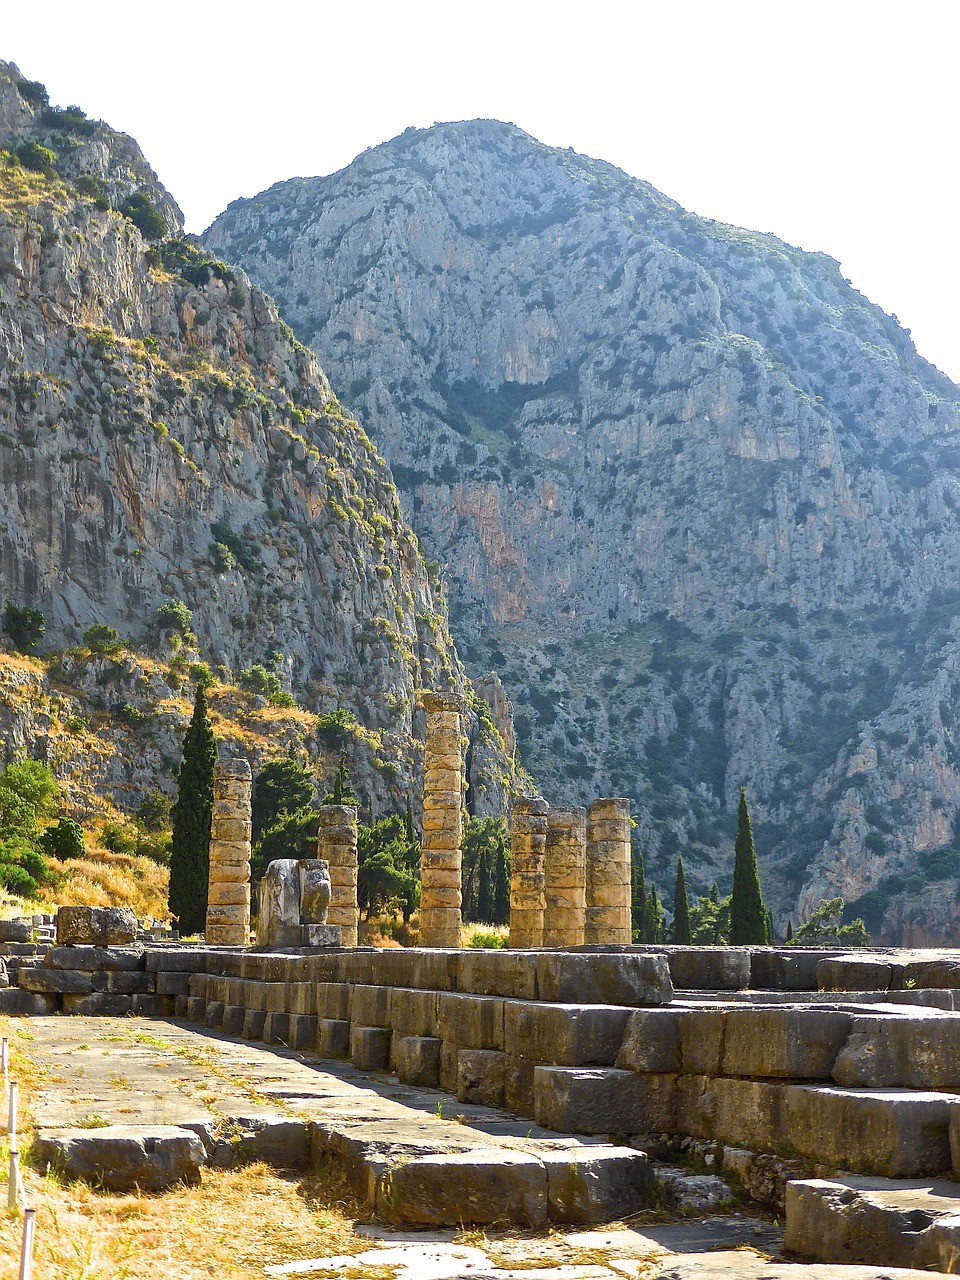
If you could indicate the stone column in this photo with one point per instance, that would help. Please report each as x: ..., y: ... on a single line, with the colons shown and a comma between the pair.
x: 228, y: 892
x: 337, y: 845
x: 608, y: 873
x: 442, y: 819
x: 528, y: 839
x: 564, y: 879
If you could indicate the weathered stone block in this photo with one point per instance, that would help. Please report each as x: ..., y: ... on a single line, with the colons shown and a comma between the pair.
x: 798, y: 1044
x: 651, y: 1041
x: 596, y: 1183
x: 213, y: 1017
x: 254, y: 1021
x: 791, y: 970
x: 276, y: 1028
x: 417, y: 1060
x: 481, y: 1076
x: 414, y: 1013
x: 123, y: 982
x: 563, y: 1034
x: 854, y: 973
x: 302, y: 1031
x: 123, y: 1157
x: 476, y: 1187
x: 175, y: 959
x: 625, y: 979
x: 518, y: 1094
x: 370, y: 1006
x: 95, y: 959
x: 470, y: 1022
x: 333, y: 1000
x: 887, y: 1132
x: 701, y: 1041
x: 333, y: 1038
x: 710, y: 968
x: 100, y: 1004
x: 16, y: 930
x: 57, y: 980
x: 448, y: 1066
x: 913, y: 1050
x: 279, y: 1141
x: 604, y: 1100
x: 233, y: 1016
x: 497, y: 973
x: 369, y: 1047
x: 27, y: 1004
x: 746, y: 1113
x: 99, y: 926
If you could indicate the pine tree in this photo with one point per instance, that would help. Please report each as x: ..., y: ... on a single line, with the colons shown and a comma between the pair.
x: 638, y: 898
x: 681, y: 908
x: 190, y: 818
x: 748, y: 922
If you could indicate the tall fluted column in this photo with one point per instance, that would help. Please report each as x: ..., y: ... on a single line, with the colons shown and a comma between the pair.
x: 528, y: 838
x: 564, y: 881
x: 608, y: 872
x: 228, y: 889
x: 442, y: 819
x: 337, y: 845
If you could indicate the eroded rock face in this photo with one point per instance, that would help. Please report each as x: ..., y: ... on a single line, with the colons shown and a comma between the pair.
x: 164, y: 437
x: 696, y: 498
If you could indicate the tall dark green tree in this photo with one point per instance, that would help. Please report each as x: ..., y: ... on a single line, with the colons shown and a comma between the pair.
x: 638, y: 897
x: 280, y: 787
x: 190, y: 817
x: 653, y: 917
x: 748, y: 917
x: 681, y: 908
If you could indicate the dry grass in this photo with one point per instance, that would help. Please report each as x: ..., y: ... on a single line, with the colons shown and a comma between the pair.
x: 104, y: 879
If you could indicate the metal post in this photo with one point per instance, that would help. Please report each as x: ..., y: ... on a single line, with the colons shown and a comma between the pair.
x: 5, y: 1063
x: 14, y: 1175
x: 26, y: 1249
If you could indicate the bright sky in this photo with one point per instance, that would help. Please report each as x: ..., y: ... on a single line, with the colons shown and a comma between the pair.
x: 832, y: 123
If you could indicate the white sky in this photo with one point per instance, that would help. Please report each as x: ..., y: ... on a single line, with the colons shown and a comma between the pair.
x: 832, y: 123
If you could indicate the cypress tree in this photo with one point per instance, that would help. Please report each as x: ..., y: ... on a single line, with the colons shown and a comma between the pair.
x: 654, y: 916
x: 638, y: 898
x: 501, y: 893
x: 748, y: 919
x: 681, y: 908
x: 190, y: 817
x: 789, y: 930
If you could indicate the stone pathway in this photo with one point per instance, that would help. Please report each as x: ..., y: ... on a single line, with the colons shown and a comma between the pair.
x: 253, y: 1101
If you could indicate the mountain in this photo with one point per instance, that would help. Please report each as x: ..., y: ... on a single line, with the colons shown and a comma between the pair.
x: 175, y: 466
x: 694, y: 497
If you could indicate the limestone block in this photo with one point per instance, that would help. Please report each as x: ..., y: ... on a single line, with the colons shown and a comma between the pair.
x: 746, y: 1113
x: 563, y: 1034
x: 433, y: 970
x: 483, y: 1186
x: 303, y: 999
x: 941, y: 972
x: 518, y: 1094
x: 19, y: 930
x: 302, y: 1031
x: 894, y: 1134
x: 710, y: 968
x: 231, y: 893
x: 95, y: 959
x: 121, y: 982
x: 337, y: 846
x: 854, y: 973
x: 417, y: 1060
x: 370, y: 1006
x: 629, y: 979
x: 480, y: 1076
x: 73, y: 981
x: 315, y: 890
x: 701, y: 1040
x: 98, y: 926
x: 800, y: 1044
x: 369, y: 1047
x: 123, y: 1157
x: 607, y: 914
x: 448, y: 1067
x: 470, y: 1022
x: 276, y: 1027
x: 597, y: 1183
x: 173, y: 984
x: 333, y: 1000
x: 604, y: 1100
x: 233, y: 1016
x: 915, y: 1050
x: 651, y: 1041
x: 792, y: 970
x: 213, y: 1015
x: 99, y: 1004
x: 414, y: 1013
x: 175, y: 959
x: 498, y: 973
x: 333, y: 1038
x: 254, y: 1021
x: 565, y: 871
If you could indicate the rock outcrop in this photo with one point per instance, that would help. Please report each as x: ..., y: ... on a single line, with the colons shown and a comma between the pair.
x: 166, y: 441
x: 695, y: 497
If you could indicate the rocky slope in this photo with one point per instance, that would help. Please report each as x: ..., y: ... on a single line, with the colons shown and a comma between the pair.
x: 165, y: 439
x: 695, y: 498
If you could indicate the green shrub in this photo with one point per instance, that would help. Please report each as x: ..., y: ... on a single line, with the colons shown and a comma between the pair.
x: 257, y: 679
x: 35, y: 157
x: 117, y: 838
x: 76, y: 724
x: 488, y: 940
x: 102, y: 639
x: 63, y: 840
x: 153, y: 811
x: 222, y: 558
x: 175, y: 616
x: 71, y: 119
x: 94, y: 190
x: 25, y: 627
x: 33, y: 91
x: 335, y: 727
x: 142, y: 212
x: 16, y: 879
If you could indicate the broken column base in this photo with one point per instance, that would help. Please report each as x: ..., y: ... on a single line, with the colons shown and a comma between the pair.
x: 304, y: 935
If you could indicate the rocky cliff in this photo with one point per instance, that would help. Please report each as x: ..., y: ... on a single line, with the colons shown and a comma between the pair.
x: 695, y: 498
x: 166, y: 441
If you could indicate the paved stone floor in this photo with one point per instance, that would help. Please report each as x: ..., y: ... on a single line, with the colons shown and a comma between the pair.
x: 102, y: 1071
